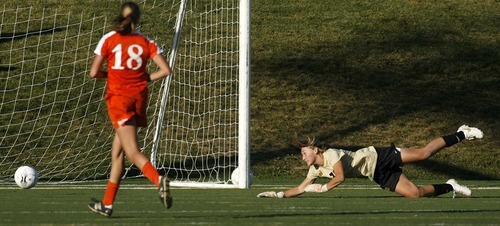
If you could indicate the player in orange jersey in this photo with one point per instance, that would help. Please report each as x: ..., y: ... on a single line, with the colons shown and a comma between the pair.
x: 126, y: 52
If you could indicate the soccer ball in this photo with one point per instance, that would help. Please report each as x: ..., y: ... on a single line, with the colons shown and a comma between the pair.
x: 236, y: 175
x: 26, y: 177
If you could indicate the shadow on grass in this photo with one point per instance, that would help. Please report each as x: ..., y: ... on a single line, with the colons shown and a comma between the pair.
x: 7, y: 68
x: 460, y: 78
x: 9, y: 37
x: 445, y: 168
x: 333, y: 213
x: 375, y: 212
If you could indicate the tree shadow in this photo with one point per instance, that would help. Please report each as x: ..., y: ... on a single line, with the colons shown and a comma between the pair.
x: 446, y: 168
x: 340, y: 213
x: 10, y: 37
x: 376, y: 212
x: 400, y: 90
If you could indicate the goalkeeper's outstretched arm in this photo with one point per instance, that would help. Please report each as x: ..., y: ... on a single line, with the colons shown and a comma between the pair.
x: 308, y: 186
x: 292, y: 192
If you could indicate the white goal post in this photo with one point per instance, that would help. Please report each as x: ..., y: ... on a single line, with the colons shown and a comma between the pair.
x: 53, y: 116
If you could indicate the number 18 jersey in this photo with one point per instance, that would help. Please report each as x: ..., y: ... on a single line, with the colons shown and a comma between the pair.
x: 127, y: 56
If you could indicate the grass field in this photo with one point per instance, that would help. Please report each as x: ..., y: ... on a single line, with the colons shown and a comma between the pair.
x: 358, y: 202
x: 349, y: 73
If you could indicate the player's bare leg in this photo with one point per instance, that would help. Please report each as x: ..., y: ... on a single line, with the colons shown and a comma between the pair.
x: 128, y: 138
x: 105, y: 207
x: 408, y: 189
x: 418, y: 154
x: 409, y: 155
x: 117, y: 161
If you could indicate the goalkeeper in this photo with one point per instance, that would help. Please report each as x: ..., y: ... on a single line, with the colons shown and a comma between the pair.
x: 381, y: 165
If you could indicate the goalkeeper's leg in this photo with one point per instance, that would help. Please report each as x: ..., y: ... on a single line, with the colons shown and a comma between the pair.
x: 408, y: 189
x: 409, y: 155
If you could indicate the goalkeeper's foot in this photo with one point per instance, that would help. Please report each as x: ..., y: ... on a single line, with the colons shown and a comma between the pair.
x: 471, y: 133
x: 458, y: 189
x: 97, y: 207
x: 164, y: 192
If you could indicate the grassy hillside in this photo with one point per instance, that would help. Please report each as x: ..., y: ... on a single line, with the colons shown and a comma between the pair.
x: 359, y: 73
x: 350, y: 73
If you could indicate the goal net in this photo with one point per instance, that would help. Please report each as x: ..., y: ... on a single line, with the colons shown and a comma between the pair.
x: 53, y: 115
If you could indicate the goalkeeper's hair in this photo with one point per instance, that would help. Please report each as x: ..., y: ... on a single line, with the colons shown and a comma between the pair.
x: 128, y: 18
x: 307, y: 141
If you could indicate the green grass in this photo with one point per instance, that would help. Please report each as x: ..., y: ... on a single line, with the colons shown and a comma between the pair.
x: 351, y: 73
x: 357, y: 202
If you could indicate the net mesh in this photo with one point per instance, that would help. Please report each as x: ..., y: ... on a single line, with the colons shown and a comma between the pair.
x: 53, y: 114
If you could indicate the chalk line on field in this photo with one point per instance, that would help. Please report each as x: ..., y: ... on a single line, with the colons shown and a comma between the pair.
x: 148, y: 186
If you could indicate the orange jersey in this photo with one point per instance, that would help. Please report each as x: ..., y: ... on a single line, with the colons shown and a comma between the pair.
x: 127, y: 56
x: 127, y: 87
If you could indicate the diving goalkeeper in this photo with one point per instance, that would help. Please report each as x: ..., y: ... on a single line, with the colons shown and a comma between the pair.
x: 381, y: 165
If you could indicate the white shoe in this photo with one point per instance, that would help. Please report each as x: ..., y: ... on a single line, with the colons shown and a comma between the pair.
x: 471, y: 133
x: 457, y: 188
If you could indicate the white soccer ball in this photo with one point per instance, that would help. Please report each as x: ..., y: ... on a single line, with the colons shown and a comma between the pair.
x: 26, y: 177
x: 236, y: 175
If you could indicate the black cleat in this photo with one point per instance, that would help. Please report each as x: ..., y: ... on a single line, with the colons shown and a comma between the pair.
x: 97, y: 207
x: 164, y: 192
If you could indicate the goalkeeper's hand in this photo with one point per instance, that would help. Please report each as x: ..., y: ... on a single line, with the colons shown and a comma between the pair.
x: 271, y: 194
x: 317, y: 188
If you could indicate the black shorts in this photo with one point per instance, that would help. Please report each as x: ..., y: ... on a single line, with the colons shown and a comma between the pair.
x: 388, y: 169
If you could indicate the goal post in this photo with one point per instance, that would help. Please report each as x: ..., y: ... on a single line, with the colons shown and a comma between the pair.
x: 166, y: 86
x: 209, y: 115
x: 54, y: 117
x: 244, y: 95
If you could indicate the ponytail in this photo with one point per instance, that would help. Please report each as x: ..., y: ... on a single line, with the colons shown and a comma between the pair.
x: 128, y: 18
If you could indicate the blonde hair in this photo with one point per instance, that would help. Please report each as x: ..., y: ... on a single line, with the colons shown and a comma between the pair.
x: 308, y: 142
x: 128, y: 18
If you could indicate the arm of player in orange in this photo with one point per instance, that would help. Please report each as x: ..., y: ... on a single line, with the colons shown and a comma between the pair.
x: 95, y: 69
x: 164, y: 69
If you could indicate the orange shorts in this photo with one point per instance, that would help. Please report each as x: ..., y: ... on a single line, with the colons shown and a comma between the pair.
x: 122, y: 109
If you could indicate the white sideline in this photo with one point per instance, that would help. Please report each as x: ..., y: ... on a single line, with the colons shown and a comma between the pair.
x: 9, y: 186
